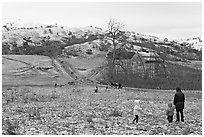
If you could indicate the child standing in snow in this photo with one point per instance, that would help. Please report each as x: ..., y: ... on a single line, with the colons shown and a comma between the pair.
x: 170, y: 112
x: 136, y: 111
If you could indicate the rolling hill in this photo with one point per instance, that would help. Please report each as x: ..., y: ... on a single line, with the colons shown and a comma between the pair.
x: 15, y: 36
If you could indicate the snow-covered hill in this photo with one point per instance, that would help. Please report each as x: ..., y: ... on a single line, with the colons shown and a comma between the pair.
x: 36, y: 35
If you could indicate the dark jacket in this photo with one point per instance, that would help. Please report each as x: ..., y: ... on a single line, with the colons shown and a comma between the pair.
x: 179, y: 100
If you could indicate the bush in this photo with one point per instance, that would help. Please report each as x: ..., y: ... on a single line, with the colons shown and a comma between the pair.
x: 72, y: 52
x: 104, y: 47
x: 50, y: 31
x: 89, y: 51
x: 45, y: 32
x: 116, y: 113
x: 5, y: 48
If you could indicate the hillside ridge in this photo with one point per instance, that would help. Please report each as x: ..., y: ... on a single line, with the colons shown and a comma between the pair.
x: 16, y: 36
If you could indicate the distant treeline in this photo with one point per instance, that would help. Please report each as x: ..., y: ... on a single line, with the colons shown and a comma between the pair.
x: 180, y: 76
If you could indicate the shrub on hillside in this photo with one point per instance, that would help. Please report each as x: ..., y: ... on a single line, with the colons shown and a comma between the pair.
x: 5, y: 48
x: 104, y: 46
x: 50, y: 31
x: 45, y: 32
x: 89, y: 51
x: 72, y: 52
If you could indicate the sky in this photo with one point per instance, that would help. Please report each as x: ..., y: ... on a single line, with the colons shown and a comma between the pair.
x: 172, y: 20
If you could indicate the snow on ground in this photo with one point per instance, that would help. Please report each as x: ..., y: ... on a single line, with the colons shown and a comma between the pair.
x: 135, y: 47
x: 195, y: 43
x: 161, y: 45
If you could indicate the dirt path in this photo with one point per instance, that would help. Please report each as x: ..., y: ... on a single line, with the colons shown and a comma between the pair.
x: 59, y: 68
x: 69, y: 69
x: 72, y: 72
x: 29, y: 64
x: 66, y: 76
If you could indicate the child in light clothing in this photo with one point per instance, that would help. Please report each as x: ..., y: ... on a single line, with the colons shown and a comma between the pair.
x: 170, y: 112
x: 136, y: 111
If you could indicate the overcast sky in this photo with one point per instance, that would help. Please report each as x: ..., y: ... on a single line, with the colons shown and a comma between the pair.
x: 171, y: 20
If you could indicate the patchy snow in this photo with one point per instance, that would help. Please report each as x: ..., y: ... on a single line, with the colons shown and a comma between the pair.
x: 195, y: 43
x: 135, y: 47
x: 150, y: 54
x: 162, y: 45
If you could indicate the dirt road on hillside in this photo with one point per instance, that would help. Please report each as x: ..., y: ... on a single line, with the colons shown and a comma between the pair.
x: 66, y: 76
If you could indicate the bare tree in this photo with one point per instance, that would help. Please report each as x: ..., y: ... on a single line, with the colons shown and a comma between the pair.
x: 116, y: 34
x: 114, y: 30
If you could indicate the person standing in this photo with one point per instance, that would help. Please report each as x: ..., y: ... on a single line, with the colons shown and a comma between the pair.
x: 179, y: 99
x: 96, y: 89
x: 55, y: 85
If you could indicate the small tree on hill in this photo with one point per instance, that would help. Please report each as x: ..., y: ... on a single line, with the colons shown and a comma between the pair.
x: 166, y: 40
x: 118, y: 39
x: 114, y: 30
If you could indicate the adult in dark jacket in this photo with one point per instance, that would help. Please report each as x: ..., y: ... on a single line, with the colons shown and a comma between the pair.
x: 179, y: 99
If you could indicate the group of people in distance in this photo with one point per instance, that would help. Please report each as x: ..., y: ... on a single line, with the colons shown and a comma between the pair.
x: 116, y: 85
x: 112, y: 84
x: 178, y: 104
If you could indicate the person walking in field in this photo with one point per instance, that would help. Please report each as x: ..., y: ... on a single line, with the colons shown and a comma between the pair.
x: 179, y: 99
x: 170, y: 112
x: 96, y: 89
x: 136, y: 111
